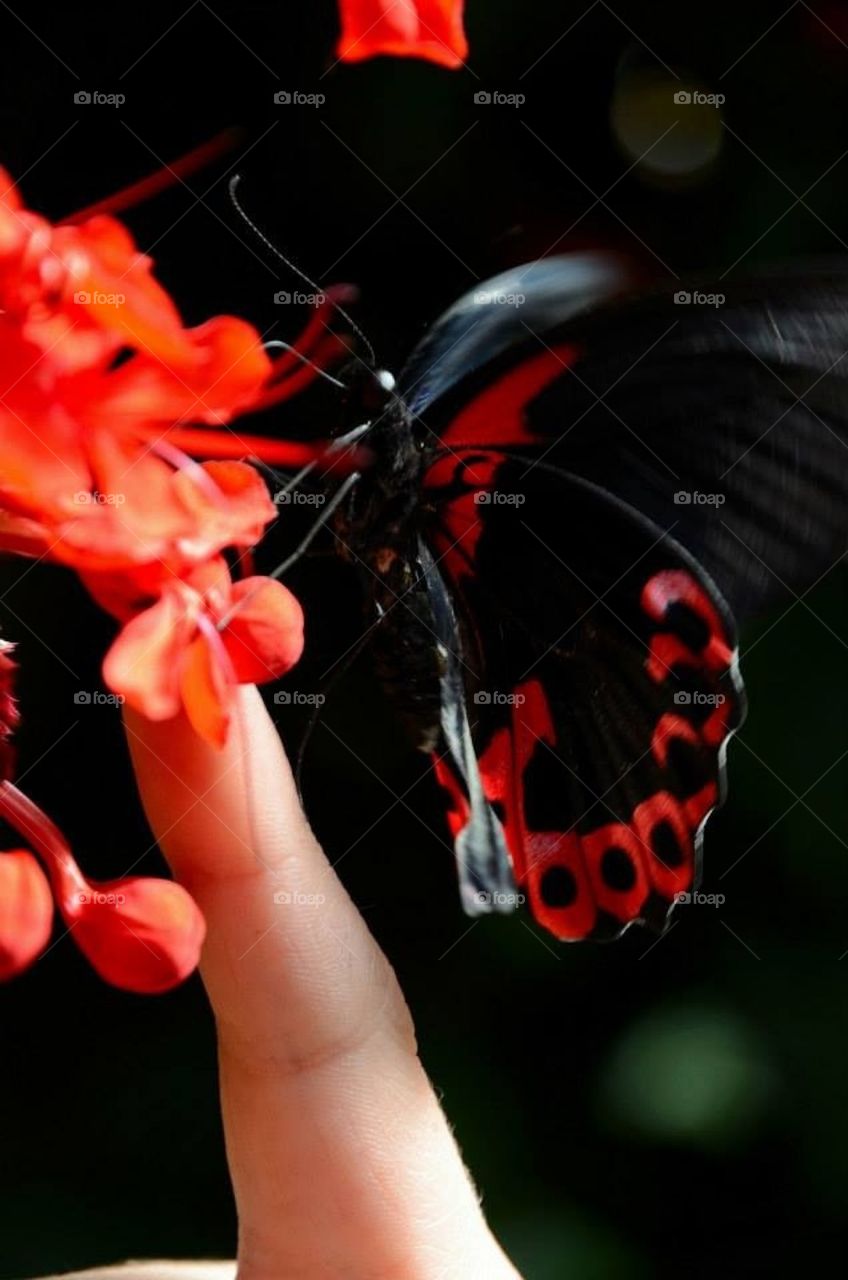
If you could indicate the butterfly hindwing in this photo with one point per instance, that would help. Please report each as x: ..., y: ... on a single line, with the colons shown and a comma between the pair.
x: 601, y: 685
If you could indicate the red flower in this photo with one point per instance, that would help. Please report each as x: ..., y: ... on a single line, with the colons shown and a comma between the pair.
x: 9, y: 715
x: 102, y: 390
x: 140, y: 934
x: 429, y: 29
x: 26, y: 912
x: 201, y: 637
x: 94, y: 470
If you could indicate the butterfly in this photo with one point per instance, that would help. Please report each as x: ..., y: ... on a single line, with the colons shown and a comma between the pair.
x: 577, y: 493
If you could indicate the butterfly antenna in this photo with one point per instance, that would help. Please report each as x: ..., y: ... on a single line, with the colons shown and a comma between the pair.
x: 235, y: 180
x: 277, y: 344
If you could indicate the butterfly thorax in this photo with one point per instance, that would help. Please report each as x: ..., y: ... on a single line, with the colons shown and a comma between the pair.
x: 378, y: 530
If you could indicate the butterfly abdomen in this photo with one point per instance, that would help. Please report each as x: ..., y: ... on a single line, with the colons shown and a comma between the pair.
x: 405, y: 653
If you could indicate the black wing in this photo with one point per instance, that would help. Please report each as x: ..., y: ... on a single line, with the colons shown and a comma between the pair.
x: 593, y: 600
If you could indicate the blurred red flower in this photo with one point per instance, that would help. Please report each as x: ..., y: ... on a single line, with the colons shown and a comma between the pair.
x: 104, y: 395
x: 100, y: 384
x: 430, y: 29
x: 141, y: 934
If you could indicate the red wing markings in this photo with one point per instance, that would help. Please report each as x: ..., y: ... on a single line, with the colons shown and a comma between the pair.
x: 615, y: 868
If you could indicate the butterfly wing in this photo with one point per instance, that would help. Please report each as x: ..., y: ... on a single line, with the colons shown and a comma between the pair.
x: 730, y: 420
x: 601, y: 681
x: 593, y: 604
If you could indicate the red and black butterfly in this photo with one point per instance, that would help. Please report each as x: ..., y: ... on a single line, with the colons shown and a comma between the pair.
x: 576, y: 493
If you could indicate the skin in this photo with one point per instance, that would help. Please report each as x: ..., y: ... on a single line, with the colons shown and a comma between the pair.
x: 342, y: 1161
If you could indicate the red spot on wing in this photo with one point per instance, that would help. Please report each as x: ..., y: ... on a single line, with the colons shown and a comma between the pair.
x: 660, y: 593
x: 549, y: 853
x: 617, y: 841
x: 571, y: 876
x: 671, y: 727
x: 662, y: 811
x: 503, y: 763
x: 700, y: 804
x: 464, y: 481
x: 497, y: 414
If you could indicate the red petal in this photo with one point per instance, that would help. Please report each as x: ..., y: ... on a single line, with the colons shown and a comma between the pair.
x: 26, y: 912
x: 122, y: 298
x: 206, y: 693
x: 264, y: 636
x: 221, y: 375
x: 140, y: 934
x: 243, y: 507
x: 429, y: 29
x: 144, y: 661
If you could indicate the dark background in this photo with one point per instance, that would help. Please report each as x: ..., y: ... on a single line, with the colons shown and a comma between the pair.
x: 628, y: 1110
